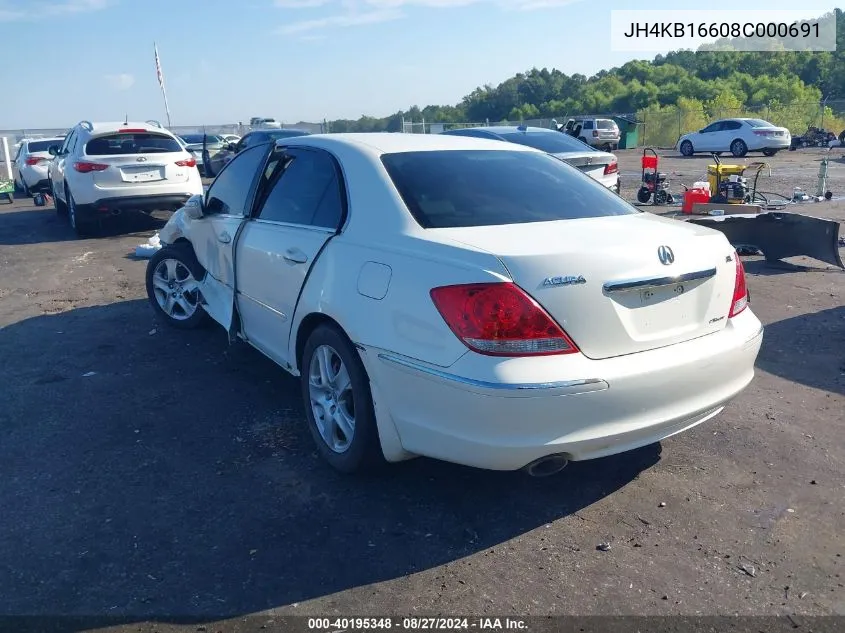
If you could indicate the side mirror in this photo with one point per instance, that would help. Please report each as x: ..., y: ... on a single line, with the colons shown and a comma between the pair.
x: 53, y: 150
x: 195, y: 207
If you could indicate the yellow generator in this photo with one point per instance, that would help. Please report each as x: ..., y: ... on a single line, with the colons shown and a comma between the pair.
x: 727, y: 182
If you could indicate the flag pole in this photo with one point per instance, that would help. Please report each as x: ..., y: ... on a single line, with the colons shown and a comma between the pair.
x: 160, y: 76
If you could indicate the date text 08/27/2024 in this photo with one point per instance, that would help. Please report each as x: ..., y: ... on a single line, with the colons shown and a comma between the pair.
x: 335, y: 624
x: 681, y: 30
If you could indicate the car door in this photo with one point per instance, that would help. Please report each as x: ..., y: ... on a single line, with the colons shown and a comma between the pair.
x: 708, y: 138
x: 227, y: 205
x: 57, y: 165
x: 17, y: 163
x: 731, y: 130
x: 300, y: 209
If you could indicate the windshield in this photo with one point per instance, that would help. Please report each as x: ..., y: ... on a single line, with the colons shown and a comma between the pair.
x: 129, y: 143
x: 462, y: 188
x: 43, y: 146
x: 548, y: 141
x: 758, y: 123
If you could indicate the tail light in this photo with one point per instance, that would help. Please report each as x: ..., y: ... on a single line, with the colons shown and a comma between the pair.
x: 34, y: 160
x: 87, y: 168
x: 612, y: 168
x: 133, y: 130
x: 740, y: 298
x: 188, y: 162
x: 500, y: 319
x: 595, y: 133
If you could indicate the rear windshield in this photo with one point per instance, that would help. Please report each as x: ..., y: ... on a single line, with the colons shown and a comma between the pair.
x: 462, y: 188
x: 43, y: 146
x: 758, y: 123
x: 605, y: 124
x: 132, y: 143
x: 551, y: 142
x: 286, y: 134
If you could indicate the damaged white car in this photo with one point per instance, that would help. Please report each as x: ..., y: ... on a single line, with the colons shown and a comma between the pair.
x: 460, y: 298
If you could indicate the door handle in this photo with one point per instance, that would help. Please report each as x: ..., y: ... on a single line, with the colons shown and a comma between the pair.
x: 295, y: 256
x: 224, y: 237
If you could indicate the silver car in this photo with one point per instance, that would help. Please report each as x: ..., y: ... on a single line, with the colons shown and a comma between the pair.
x: 214, y: 143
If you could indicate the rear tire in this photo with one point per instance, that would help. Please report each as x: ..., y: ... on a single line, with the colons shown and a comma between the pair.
x: 643, y: 195
x: 739, y: 148
x: 334, y: 385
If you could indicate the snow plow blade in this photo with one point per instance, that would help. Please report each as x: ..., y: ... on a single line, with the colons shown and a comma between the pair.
x: 779, y: 235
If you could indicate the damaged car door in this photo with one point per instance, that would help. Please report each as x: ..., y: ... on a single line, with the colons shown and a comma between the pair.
x: 227, y: 205
x: 298, y: 208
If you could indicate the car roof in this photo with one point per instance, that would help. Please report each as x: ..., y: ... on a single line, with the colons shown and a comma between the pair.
x: 40, y: 139
x: 504, y: 129
x: 378, y: 143
x: 107, y: 127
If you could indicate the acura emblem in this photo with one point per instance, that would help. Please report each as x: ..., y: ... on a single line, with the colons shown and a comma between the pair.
x: 665, y: 255
x: 141, y: 159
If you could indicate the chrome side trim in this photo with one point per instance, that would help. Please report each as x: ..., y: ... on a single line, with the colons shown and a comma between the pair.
x: 657, y: 282
x: 281, y: 315
x: 498, y: 386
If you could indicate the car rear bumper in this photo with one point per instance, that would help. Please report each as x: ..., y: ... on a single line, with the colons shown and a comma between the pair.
x: 106, y: 206
x: 502, y: 414
x: 40, y: 186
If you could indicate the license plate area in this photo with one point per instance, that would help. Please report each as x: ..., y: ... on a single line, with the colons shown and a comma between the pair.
x: 142, y: 174
x: 653, y: 296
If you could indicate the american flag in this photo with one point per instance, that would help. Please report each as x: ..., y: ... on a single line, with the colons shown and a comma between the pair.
x: 158, y: 69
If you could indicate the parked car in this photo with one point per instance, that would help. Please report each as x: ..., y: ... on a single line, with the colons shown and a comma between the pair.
x: 460, y: 298
x: 231, y: 138
x: 219, y: 160
x: 594, y: 131
x: 213, y: 144
x: 602, y: 166
x: 30, y: 166
x: 103, y: 169
x: 737, y: 136
x: 264, y: 123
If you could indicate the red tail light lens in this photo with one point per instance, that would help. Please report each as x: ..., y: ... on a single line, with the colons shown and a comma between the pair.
x: 612, y: 168
x: 740, y: 298
x: 188, y: 162
x: 500, y: 319
x: 87, y: 168
x: 132, y: 130
x: 34, y: 160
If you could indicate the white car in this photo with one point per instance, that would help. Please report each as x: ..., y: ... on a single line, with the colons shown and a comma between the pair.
x: 103, y: 169
x: 30, y: 166
x: 464, y: 299
x: 231, y: 138
x: 737, y: 136
x: 602, y: 166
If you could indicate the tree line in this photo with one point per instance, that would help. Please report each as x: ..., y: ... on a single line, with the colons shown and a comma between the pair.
x: 684, y: 89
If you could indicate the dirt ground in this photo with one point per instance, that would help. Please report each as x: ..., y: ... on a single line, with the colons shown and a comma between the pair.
x: 150, y: 474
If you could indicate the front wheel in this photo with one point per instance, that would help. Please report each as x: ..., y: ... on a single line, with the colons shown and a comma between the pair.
x: 338, y: 403
x: 173, y: 278
x: 643, y: 195
x: 686, y: 148
x: 739, y: 148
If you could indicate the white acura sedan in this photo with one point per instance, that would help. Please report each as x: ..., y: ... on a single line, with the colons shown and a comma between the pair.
x: 460, y: 298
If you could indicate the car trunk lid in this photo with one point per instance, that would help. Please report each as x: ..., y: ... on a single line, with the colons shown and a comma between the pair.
x: 591, y: 163
x: 603, y: 281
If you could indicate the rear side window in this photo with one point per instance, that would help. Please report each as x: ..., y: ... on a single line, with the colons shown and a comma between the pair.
x: 605, y: 124
x: 462, y: 188
x: 588, y: 125
x: 132, y: 143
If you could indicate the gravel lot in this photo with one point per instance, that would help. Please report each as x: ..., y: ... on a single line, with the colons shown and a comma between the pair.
x: 178, y: 479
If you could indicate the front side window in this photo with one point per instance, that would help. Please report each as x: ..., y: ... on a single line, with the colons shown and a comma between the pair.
x: 230, y: 191
x: 713, y: 127
x: 463, y: 188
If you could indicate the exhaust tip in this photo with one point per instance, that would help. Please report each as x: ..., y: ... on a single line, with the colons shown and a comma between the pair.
x: 547, y: 466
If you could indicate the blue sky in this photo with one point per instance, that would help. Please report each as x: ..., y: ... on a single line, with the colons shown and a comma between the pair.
x: 227, y: 60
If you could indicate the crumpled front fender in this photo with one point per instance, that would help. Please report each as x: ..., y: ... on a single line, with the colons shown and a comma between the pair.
x: 176, y: 227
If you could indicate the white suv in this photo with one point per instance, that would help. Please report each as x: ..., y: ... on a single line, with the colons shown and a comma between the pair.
x: 103, y: 169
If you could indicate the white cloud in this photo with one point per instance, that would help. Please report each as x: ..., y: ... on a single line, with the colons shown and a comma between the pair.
x: 121, y: 81
x: 14, y: 10
x: 361, y: 12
